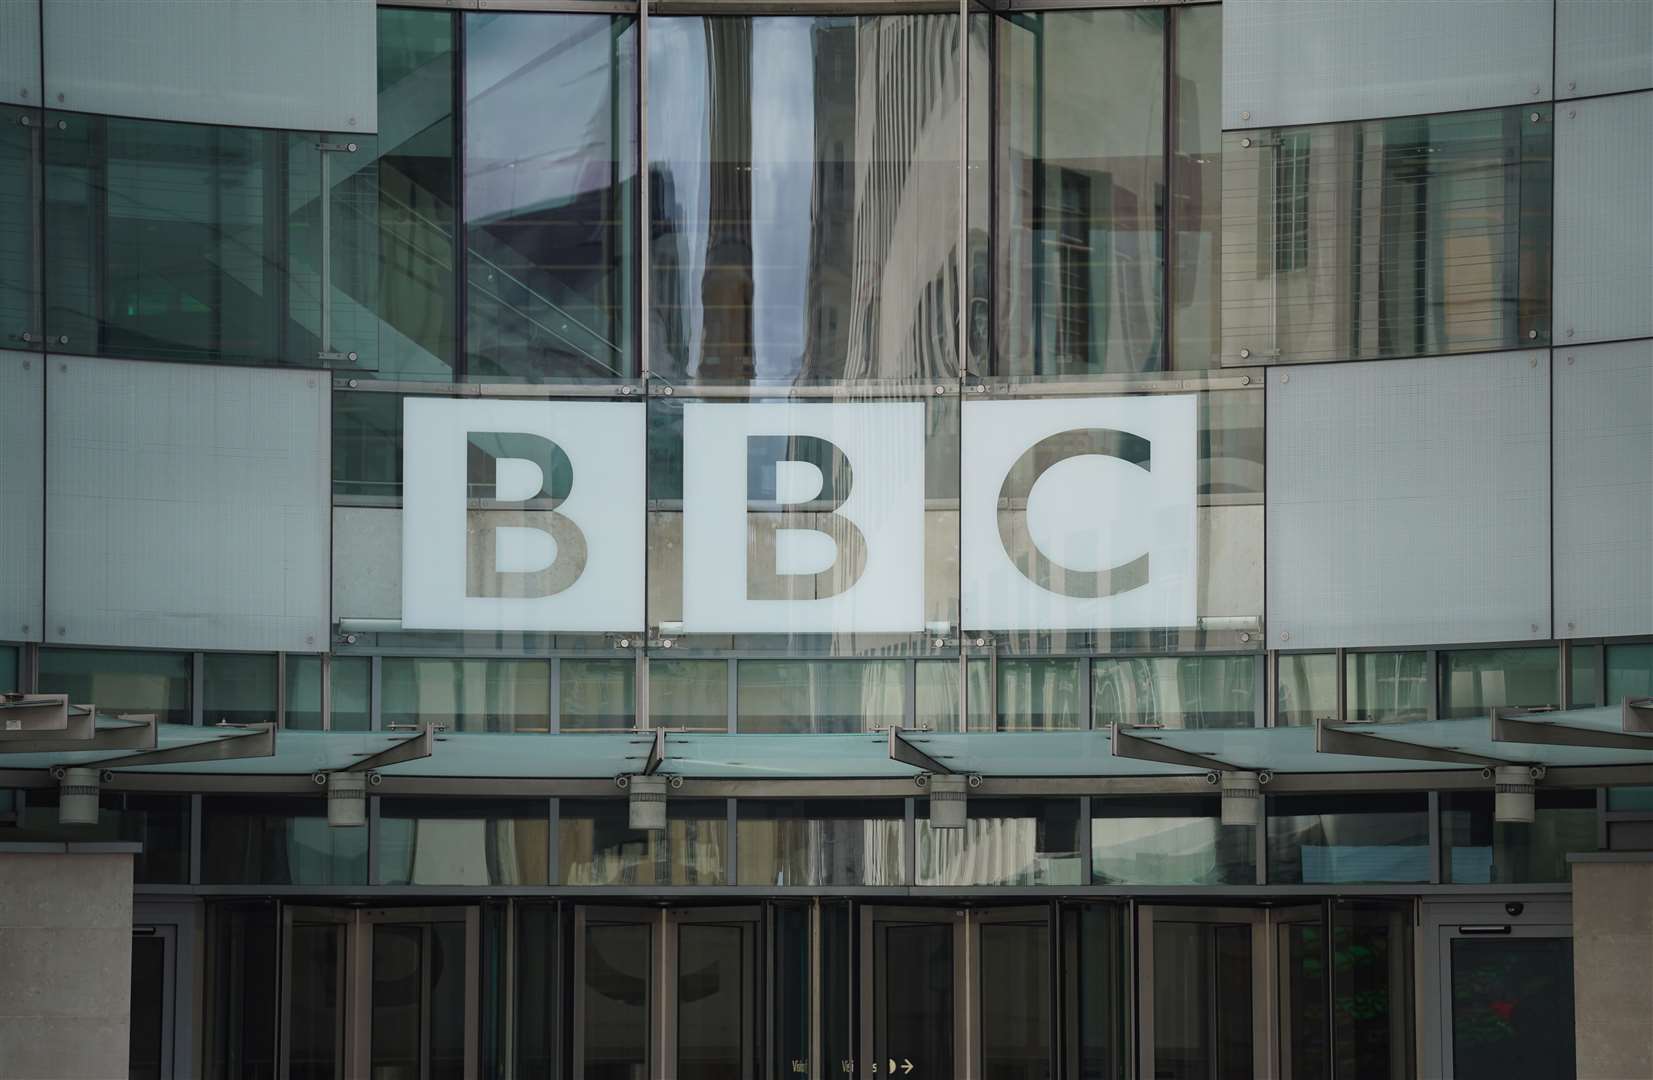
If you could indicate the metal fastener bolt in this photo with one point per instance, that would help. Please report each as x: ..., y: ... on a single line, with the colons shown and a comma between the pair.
x: 1245, y: 380
x: 981, y: 388
x: 625, y: 643
x: 1245, y: 116
x: 61, y: 631
x: 1572, y: 114
x: 1245, y: 143
x: 1569, y: 331
x: 667, y: 391
x: 625, y: 391
x: 1245, y: 354
x: 1285, y: 635
x: 352, y: 384
x: 352, y: 121
x: 24, y: 120
x: 1533, y: 362
x: 1570, y: 360
x: 666, y: 643
x: 1285, y: 377
x: 940, y: 390
x: 63, y: 125
x: 1572, y: 86
x: 1532, y: 334
x: 1244, y: 637
x: 350, y: 147
x: 1536, y: 117
x: 937, y: 643
x: 1535, y: 628
x: 1537, y: 89
x: 64, y: 340
x: 60, y: 98
x: 981, y: 641
x: 1570, y: 626
x: 27, y: 336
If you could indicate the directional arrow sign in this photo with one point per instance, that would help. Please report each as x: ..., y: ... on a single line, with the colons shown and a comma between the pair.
x: 906, y: 1066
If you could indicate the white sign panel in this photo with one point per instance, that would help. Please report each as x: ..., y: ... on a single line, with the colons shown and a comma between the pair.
x: 803, y: 517
x: 1080, y: 513
x: 554, y: 539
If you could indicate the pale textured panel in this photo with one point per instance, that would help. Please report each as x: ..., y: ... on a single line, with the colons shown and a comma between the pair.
x: 1316, y: 61
x: 306, y: 65
x: 20, y: 52
x: 1408, y: 502
x: 1603, y: 46
x: 367, y: 562
x: 1604, y: 219
x: 22, y: 493
x: 1604, y: 490
x: 186, y: 506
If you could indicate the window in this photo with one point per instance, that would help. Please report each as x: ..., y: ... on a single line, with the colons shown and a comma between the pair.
x: 597, y: 695
x: 1291, y: 204
x: 1196, y: 186
x: 1479, y: 851
x: 819, y: 695
x: 1305, y: 688
x: 1176, y: 691
x: 1004, y: 842
x: 464, y: 842
x: 159, y: 822
x: 467, y: 695
x: 1179, y: 841
x: 8, y: 669
x: 238, y: 688
x: 351, y: 706
x: 689, y: 694
x: 1323, y: 840
x: 597, y: 846
x: 1629, y: 672
x: 121, y: 682
x: 1475, y: 681
x: 820, y: 842
x: 277, y: 841
x: 1388, y: 687
x: 20, y: 155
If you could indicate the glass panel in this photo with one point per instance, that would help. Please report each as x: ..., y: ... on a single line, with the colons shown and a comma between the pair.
x: 159, y: 822
x: 1004, y: 842
x: 550, y: 196
x: 1315, y: 840
x: 936, y: 707
x: 1202, y: 1001
x: 1196, y: 184
x: 417, y: 195
x: 238, y: 688
x: 1305, y: 1027
x: 536, y: 991
x: 277, y: 841
x: 1016, y: 1020
x: 463, y: 842
x: 398, y: 985
x: 820, y: 842
x: 794, y: 992
x: 1630, y: 798
x: 303, y: 700
x: 913, y: 995
x: 1176, y: 691
x: 713, y: 997
x: 1099, y: 993
x: 821, y: 478
x: 1387, y: 687
x: 1168, y: 842
x: 447, y: 1002
x: 1512, y: 1008
x: 120, y: 682
x: 1305, y: 688
x: 1371, y: 991
x: 20, y: 133
x: 819, y: 695
x: 1478, y: 850
x: 689, y: 694
x: 241, y: 999
x: 468, y: 695
x: 1413, y: 236
x: 8, y: 669
x: 352, y: 693
x: 597, y: 846
x: 841, y: 985
x: 616, y: 996
x: 315, y: 1026
x: 1629, y: 672
x: 1585, y: 662
x: 367, y: 444
x: 145, y: 1056
x: 194, y: 242
x: 1081, y: 181
x: 1473, y: 682
x: 598, y: 695
x: 1040, y: 695
x: 806, y: 219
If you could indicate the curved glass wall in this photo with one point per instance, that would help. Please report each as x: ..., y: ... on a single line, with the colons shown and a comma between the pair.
x: 804, y: 198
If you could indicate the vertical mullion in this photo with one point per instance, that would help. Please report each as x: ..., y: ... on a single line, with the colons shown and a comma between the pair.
x: 461, y: 255
x: 734, y: 689
x: 1433, y: 675
x: 375, y: 694
x: 1436, y: 853
x: 197, y: 689
x: 373, y: 802
x: 553, y: 722
x: 1167, y: 232
x: 281, y: 690
x: 731, y: 856
x: 327, y: 691
x: 553, y: 842
x: 195, y: 807
x: 909, y: 846
x: 1084, y: 845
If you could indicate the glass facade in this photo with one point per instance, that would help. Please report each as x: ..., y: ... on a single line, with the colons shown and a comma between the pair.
x: 121, y: 682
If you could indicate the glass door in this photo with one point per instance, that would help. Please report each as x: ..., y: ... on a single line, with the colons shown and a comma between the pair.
x: 1204, y: 994
x: 1507, y: 992
x: 316, y: 1040
x: 154, y: 989
x: 1010, y: 960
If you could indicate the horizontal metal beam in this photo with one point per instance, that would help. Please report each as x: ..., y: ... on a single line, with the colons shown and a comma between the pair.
x: 139, y: 735
x: 1333, y: 740
x: 409, y: 749
x: 1128, y: 745
x: 257, y: 741
x: 907, y: 754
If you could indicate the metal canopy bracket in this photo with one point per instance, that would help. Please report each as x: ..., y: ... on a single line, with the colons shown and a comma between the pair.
x: 657, y: 753
x: 137, y: 735
x: 1512, y: 726
x: 1136, y: 747
x: 258, y: 740
x: 907, y: 754
x: 413, y: 748
x: 1335, y: 740
x: 1637, y: 715
x: 45, y: 715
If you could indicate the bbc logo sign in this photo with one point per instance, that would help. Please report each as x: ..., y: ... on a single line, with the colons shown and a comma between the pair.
x: 800, y: 517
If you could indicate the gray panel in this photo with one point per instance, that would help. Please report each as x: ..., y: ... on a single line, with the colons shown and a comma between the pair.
x: 1603, y: 46
x: 1314, y: 61
x: 367, y: 562
x: 1604, y: 219
x: 186, y: 506
x: 1604, y: 490
x: 305, y: 65
x: 20, y: 52
x: 22, y: 485
x: 1408, y: 502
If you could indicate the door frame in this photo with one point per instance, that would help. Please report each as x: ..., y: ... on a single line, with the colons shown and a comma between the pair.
x: 180, y: 925
x: 654, y: 1009
x: 1542, y: 916
x: 1318, y: 914
x: 1263, y: 976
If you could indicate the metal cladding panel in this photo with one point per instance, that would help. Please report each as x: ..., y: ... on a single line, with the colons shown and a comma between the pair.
x: 186, y: 506
x: 1297, y: 62
x: 304, y: 65
x: 1604, y: 219
x: 1408, y: 502
x: 22, y: 484
x: 20, y: 52
x: 1604, y: 490
x: 1602, y: 47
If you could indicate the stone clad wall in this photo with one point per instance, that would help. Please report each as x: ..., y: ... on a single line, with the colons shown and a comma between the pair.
x: 1613, y: 965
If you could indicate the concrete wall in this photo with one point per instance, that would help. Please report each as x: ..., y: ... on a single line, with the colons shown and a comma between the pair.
x: 65, y: 963
x: 1613, y: 964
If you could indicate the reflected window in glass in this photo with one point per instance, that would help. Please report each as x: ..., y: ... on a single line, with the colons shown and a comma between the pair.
x: 159, y: 822
x: 467, y: 695
x: 819, y: 696
x: 551, y: 196
x: 1389, y: 687
x: 1315, y: 839
x: 120, y: 681
x: 820, y: 842
x: 1305, y: 688
x: 1196, y: 185
x: 597, y: 695
x: 238, y: 688
x: 689, y: 694
x: 1478, y: 850
x: 1176, y: 691
x: 596, y: 845
x: 1178, y: 841
x: 1004, y: 842
x: 463, y: 842
x: 1629, y: 673
x: 8, y: 669
x: 1474, y: 681
x: 350, y: 705
x: 277, y: 841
